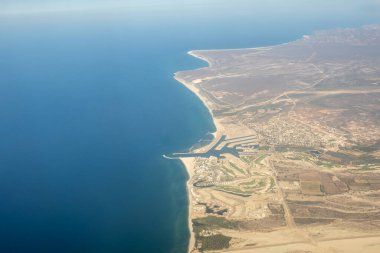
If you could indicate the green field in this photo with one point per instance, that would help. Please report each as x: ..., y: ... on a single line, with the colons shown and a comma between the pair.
x: 262, y: 157
x: 245, y: 160
x: 227, y: 170
x: 237, y: 168
x: 213, y: 242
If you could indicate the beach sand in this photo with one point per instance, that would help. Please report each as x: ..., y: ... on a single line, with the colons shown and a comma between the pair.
x: 189, y: 162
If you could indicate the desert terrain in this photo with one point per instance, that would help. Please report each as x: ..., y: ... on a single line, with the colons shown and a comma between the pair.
x: 295, y: 163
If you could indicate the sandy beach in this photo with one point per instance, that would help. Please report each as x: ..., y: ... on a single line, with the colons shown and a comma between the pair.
x: 189, y: 162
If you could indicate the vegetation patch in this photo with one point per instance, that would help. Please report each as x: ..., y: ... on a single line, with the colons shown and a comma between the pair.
x: 213, y: 242
x: 203, y: 184
x: 344, y: 158
x: 237, y: 168
x: 245, y: 160
x: 368, y: 149
x: 214, y: 209
x: 228, y: 170
x: 272, y: 183
x: 234, y: 190
x: 262, y: 157
x: 213, y: 222
x: 367, y: 167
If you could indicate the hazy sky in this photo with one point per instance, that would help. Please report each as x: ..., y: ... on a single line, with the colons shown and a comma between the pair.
x: 29, y: 6
x: 201, y: 9
x: 25, y: 6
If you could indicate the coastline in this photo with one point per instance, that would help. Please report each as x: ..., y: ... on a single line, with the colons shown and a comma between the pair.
x: 188, y: 163
x: 194, y: 54
x: 276, y: 178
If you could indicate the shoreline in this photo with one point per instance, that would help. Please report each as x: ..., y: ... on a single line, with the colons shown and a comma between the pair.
x: 195, y: 55
x: 188, y: 163
x: 264, y: 223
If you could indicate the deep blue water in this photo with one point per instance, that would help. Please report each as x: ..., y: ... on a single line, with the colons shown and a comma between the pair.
x: 88, y: 106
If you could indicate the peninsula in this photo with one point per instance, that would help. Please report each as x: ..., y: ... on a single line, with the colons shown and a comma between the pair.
x: 295, y: 163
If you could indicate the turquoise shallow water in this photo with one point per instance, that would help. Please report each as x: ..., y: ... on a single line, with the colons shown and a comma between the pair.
x: 89, y: 105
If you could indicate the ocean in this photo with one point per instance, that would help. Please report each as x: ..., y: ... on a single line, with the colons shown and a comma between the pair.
x: 88, y: 106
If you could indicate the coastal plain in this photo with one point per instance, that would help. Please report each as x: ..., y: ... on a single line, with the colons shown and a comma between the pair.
x: 295, y: 162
